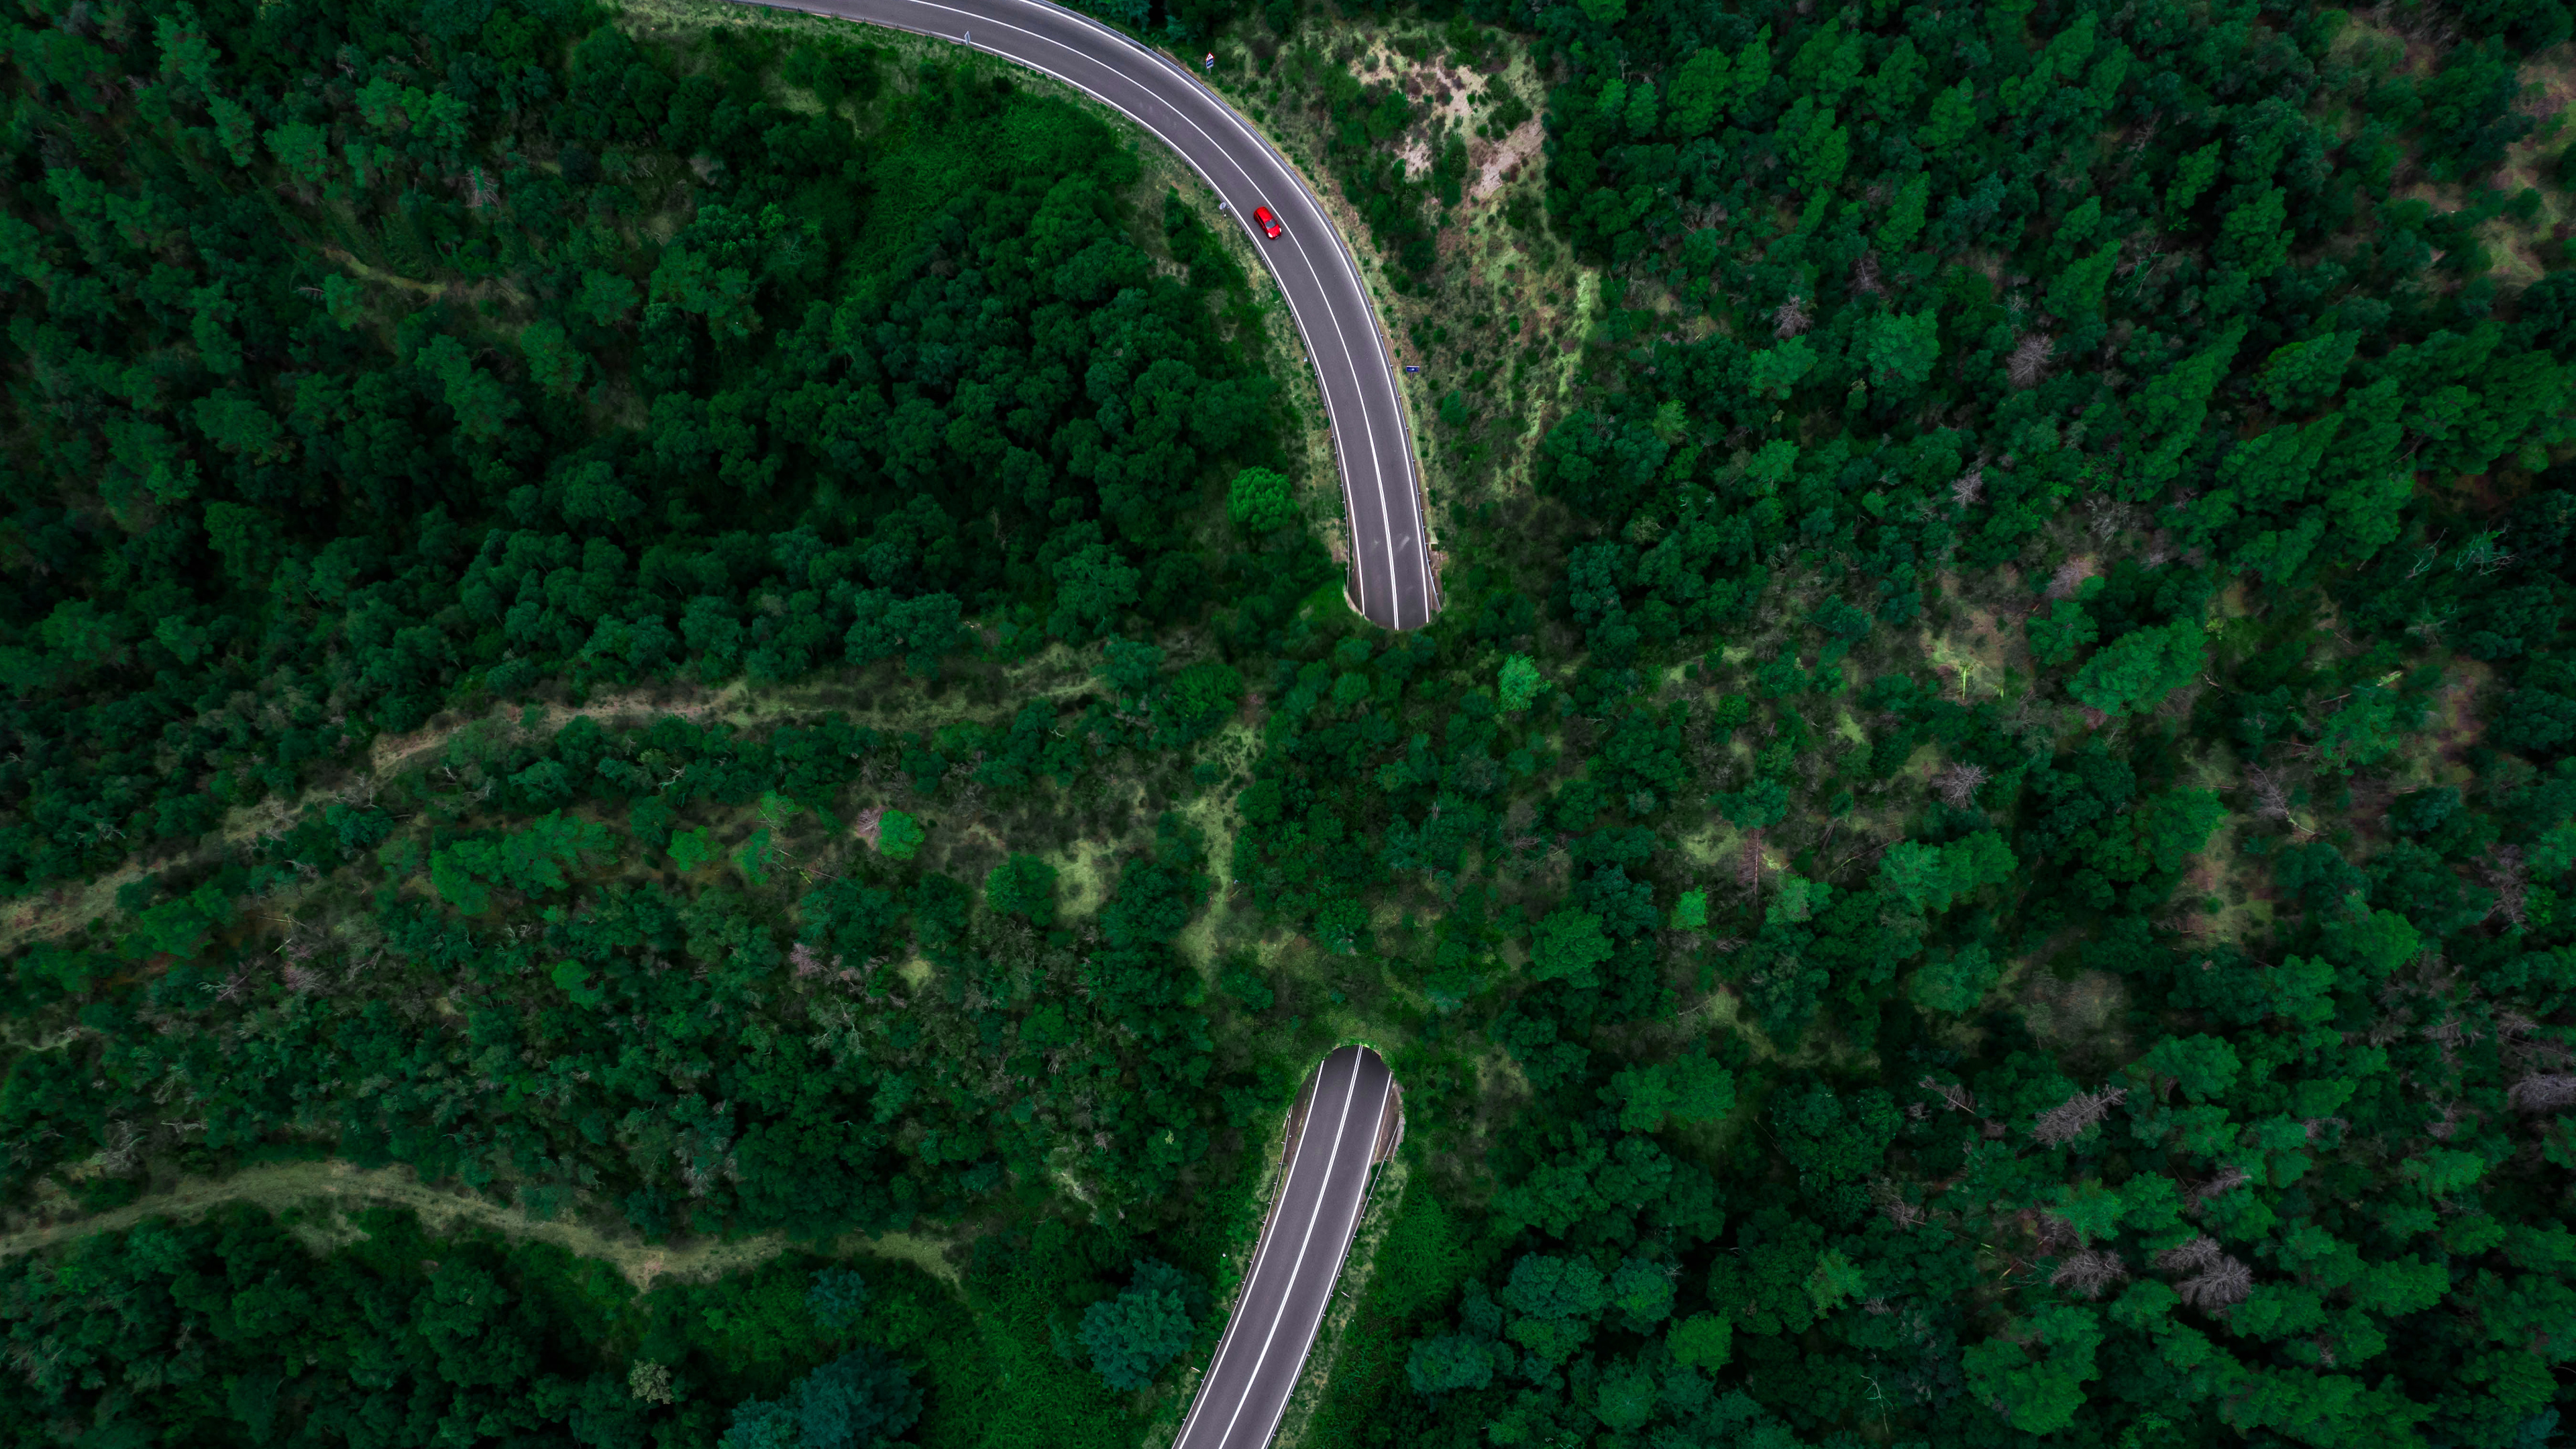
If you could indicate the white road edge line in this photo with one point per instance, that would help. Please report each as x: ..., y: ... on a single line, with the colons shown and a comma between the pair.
x: 1350, y: 1227
x: 1359, y: 285
x: 1359, y: 1058
x: 1260, y: 1252
x: 1386, y: 528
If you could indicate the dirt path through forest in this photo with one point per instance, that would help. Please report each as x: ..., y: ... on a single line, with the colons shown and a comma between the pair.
x: 1054, y: 673
x: 340, y: 1187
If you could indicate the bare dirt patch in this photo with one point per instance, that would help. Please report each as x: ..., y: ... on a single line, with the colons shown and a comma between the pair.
x: 390, y: 753
x: 2548, y: 97
x: 1499, y: 161
x: 2457, y: 724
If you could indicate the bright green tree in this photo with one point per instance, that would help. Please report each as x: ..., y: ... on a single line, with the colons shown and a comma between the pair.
x: 1260, y: 500
x: 1758, y: 806
x: 2203, y: 1066
x: 1093, y: 586
x: 1196, y: 701
x: 1904, y: 347
x: 1704, y: 1341
x: 1955, y: 980
x: 553, y: 361
x: 1568, y: 945
x: 1835, y: 1281
x: 1686, y: 1089
x: 691, y: 849
x: 1698, y: 90
x: 2302, y: 376
x: 532, y: 860
x: 1777, y: 370
x: 305, y: 151
x: 899, y: 836
x: 2133, y: 673
x: 2037, y: 1373
x: 1931, y: 878
x: 1905, y: 212
x: 754, y: 855
x: 2057, y: 636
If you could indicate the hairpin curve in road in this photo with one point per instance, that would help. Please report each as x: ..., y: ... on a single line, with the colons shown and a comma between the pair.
x: 1326, y: 296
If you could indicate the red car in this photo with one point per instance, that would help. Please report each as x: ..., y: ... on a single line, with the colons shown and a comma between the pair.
x: 1270, y: 226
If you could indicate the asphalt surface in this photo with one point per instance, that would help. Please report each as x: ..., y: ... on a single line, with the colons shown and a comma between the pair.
x: 1389, y: 546
x: 1293, y: 1271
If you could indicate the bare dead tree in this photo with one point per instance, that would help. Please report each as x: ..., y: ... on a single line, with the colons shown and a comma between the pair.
x: 2191, y: 1256
x: 2543, y: 1092
x: 2068, y: 578
x: 2506, y: 872
x: 2514, y: 1033
x: 1790, y: 318
x: 2070, y: 1119
x: 2223, y: 1284
x: 2271, y: 795
x: 2056, y: 1235
x: 2087, y: 1272
x: 2029, y: 361
x: 121, y: 1147
x: 1954, y: 1095
x: 2230, y: 1177
x: 1864, y: 277
x: 1958, y: 784
x: 2111, y: 517
x: 2449, y: 1034
x: 1969, y: 487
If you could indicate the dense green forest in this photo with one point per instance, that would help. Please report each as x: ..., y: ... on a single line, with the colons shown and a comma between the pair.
x: 711, y: 627
x: 372, y: 411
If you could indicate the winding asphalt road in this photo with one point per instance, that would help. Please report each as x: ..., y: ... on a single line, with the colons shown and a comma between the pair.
x: 1390, y: 549
x: 1312, y: 1222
